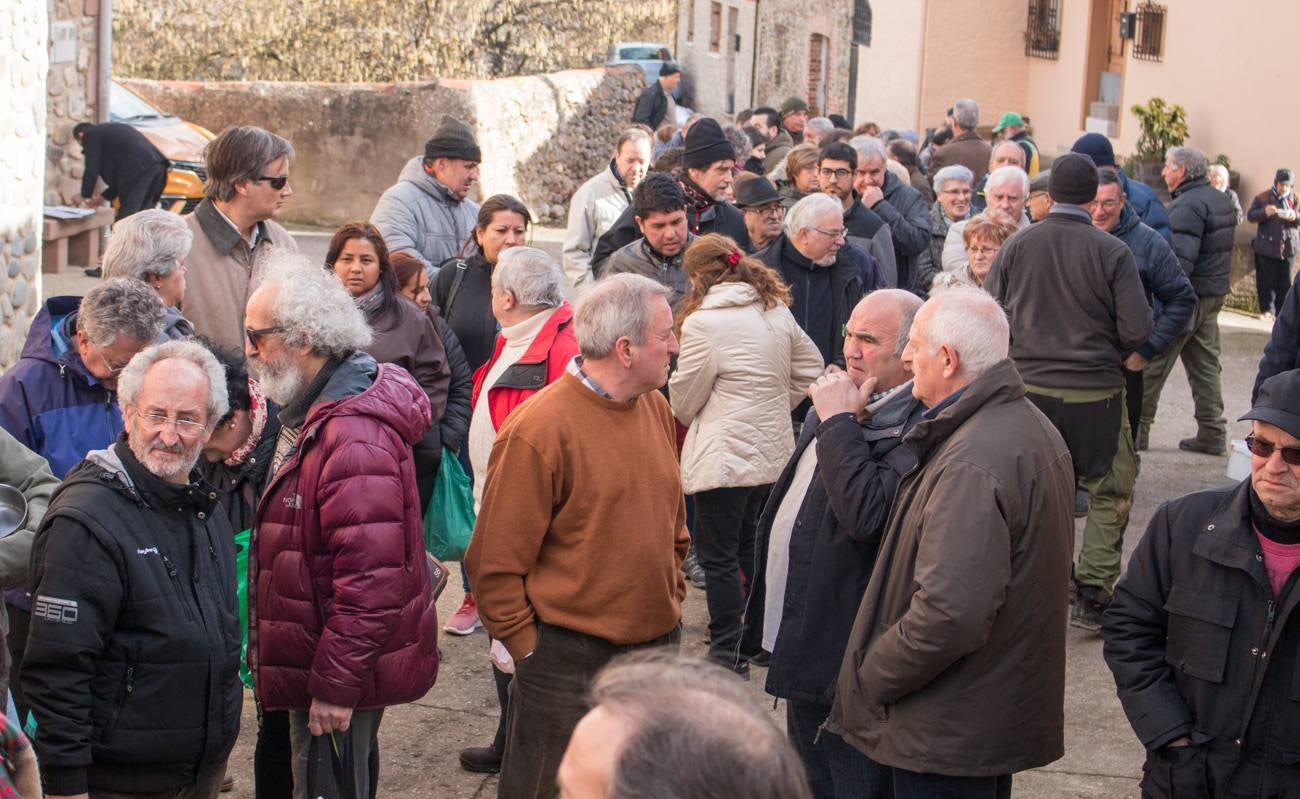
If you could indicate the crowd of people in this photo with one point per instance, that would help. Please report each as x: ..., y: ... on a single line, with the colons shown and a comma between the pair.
x: 853, y: 386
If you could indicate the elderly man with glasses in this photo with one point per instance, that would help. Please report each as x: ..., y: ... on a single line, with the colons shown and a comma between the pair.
x: 132, y: 666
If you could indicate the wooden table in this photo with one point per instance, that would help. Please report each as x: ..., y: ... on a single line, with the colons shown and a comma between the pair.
x: 73, y: 241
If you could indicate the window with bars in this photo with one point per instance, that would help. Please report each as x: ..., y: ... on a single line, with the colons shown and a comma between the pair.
x: 862, y: 22
x: 1149, y: 38
x: 1043, y: 32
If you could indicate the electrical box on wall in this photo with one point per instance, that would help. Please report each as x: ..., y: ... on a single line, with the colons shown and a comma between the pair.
x: 1127, y: 25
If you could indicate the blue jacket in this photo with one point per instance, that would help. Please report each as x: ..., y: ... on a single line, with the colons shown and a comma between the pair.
x: 1162, y: 278
x: 1282, y: 353
x: 1148, y: 206
x: 49, y: 400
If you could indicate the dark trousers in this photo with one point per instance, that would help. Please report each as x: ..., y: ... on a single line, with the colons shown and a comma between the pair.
x: 725, y: 521
x: 1272, y: 281
x: 502, y: 681
x: 207, y: 785
x: 548, y: 698
x: 835, y: 770
x: 1090, y: 428
x: 272, y: 756
x: 904, y: 784
x: 1133, y: 401
x: 19, y: 621
x: 143, y: 193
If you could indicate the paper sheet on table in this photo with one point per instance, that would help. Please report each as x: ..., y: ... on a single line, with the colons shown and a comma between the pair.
x: 67, y: 212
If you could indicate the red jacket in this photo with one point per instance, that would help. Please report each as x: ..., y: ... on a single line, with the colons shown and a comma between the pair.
x: 340, y: 605
x: 546, y: 359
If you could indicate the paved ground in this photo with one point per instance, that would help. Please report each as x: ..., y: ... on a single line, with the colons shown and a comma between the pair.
x: 420, y: 741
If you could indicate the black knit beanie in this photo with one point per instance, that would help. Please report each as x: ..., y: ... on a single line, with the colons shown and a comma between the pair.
x: 1073, y: 180
x: 706, y: 144
x: 453, y: 139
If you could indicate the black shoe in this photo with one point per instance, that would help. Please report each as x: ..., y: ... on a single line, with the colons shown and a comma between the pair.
x: 481, y: 760
x: 763, y: 659
x: 693, y: 570
x: 1195, y: 444
x: 95, y: 271
x: 1081, y: 502
x: 739, y: 667
x: 1089, y: 604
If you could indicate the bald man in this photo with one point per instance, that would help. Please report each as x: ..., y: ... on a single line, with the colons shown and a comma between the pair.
x: 1005, y: 153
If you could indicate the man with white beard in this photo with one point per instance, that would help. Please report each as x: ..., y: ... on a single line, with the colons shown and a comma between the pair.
x: 132, y: 662
x: 347, y: 426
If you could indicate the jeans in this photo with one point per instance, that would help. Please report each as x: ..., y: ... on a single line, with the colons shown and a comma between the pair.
x: 1272, y: 282
x: 904, y: 784
x: 835, y: 770
x: 1199, y: 351
x: 725, y: 522
x: 547, y: 700
x: 363, y: 738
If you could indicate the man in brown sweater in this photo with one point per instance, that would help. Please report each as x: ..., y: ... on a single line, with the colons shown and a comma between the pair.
x: 577, y: 551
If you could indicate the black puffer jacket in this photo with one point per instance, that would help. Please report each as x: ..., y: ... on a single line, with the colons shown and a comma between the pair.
x: 834, y: 543
x: 468, y: 310
x: 454, y: 425
x: 1203, y: 221
x: 721, y: 217
x: 1200, y: 647
x: 1169, y: 292
x: 132, y: 662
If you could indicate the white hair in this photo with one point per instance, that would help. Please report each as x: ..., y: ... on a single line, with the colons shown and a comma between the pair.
x: 822, y: 124
x: 803, y: 214
x: 531, y: 275
x: 1007, y: 174
x: 1217, y: 169
x: 1020, y: 153
x: 132, y: 378
x: 869, y: 147
x: 151, y: 242
x: 617, y: 306
x: 1190, y: 158
x: 970, y: 322
x: 312, y: 307
x: 120, y: 306
x: 966, y: 113
x: 951, y: 173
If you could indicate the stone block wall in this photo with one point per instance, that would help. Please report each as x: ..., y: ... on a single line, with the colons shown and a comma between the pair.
x: 786, y: 28
x: 23, y: 64
x: 73, y: 96
x: 541, y: 135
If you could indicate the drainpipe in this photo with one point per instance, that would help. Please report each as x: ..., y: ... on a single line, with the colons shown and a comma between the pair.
x: 853, y: 81
x: 105, y: 40
x: 753, y: 65
x: 920, y: 68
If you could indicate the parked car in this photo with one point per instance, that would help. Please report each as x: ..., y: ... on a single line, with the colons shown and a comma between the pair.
x: 180, y: 142
x: 649, y: 56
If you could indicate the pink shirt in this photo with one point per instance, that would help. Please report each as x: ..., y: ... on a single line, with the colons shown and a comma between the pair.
x: 1279, y: 560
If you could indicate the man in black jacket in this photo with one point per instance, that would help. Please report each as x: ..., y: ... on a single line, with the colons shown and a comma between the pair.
x: 132, y: 664
x: 821, y: 529
x: 1203, y: 636
x: 134, y: 172
x: 655, y: 105
x: 901, y: 206
x: 1202, y: 219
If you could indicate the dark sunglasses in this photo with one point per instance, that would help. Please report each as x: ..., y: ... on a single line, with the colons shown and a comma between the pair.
x: 1265, y: 449
x: 255, y: 336
x: 277, y: 182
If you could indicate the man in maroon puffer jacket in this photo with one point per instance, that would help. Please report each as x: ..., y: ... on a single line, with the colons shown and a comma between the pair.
x: 341, y: 615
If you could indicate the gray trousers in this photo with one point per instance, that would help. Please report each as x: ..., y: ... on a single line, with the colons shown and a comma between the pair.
x: 207, y: 786
x: 362, y: 736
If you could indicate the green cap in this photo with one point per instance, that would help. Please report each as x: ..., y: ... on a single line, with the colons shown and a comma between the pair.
x: 1008, y: 119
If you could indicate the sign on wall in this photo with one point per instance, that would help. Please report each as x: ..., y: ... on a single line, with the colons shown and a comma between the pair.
x: 63, y: 42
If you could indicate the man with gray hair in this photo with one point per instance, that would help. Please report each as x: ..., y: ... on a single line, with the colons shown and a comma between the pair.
x: 966, y: 147
x: 1005, y: 153
x: 134, y: 569
x: 954, y: 675
x: 1006, y: 190
x: 815, y: 128
x: 681, y: 725
x: 1203, y: 223
x: 569, y: 567
x: 247, y: 186
x: 363, y: 636
x: 151, y: 247
x: 895, y: 201
x: 598, y: 203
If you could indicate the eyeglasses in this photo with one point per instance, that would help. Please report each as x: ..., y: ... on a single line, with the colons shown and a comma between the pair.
x: 1107, y: 205
x: 956, y: 192
x: 157, y: 422
x: 112, y: 370
x: 775, y: 210
x: 255, y: 336
x: 989, y: 251
x: 1264, y: 449
x: 278, y: 182
x: 838, y: 174
x: 834, y: 234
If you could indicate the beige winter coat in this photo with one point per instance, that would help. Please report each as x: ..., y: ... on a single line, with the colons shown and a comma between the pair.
x: 741, y: 370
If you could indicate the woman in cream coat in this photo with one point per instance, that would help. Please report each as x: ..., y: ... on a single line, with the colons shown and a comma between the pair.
x: 744, y: 365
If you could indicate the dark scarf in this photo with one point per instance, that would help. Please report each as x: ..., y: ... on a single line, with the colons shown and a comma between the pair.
x: 371, y: 302
x: 699, y: 205
x: 622, y: 185
x: 1273, y: 529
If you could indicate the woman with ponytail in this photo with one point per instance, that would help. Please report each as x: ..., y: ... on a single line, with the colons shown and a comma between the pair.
x: 744, y: 365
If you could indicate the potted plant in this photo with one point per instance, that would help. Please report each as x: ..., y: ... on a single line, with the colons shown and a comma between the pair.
x: 1163, y: 126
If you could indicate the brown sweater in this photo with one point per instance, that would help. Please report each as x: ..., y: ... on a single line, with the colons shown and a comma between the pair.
x: 583, y: 523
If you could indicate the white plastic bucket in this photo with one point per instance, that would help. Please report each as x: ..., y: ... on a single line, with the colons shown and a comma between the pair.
x: 1238, y: 460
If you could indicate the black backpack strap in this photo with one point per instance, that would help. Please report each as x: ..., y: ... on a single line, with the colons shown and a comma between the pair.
x: 456, y: 281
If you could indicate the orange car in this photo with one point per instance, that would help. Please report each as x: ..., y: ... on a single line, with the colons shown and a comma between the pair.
x: 180, y: 142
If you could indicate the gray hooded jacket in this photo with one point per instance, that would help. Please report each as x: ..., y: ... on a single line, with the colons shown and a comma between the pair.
x: 417, y: 214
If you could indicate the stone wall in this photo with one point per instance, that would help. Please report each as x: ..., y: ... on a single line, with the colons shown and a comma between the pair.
x: 73, y: 92
x: 374, y: 40
x: 541, y: 135
x: 23, y: 64
x: 785, y: 29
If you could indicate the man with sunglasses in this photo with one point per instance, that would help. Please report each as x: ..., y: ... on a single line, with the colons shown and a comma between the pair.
x: 1203, y: 635
x: 133, y: 655
x: 247, y: 187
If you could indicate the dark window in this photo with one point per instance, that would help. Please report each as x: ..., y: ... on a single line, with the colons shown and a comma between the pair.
x: 715, y: 28
x: 1043, y: 33
x: 1148, y: 42
x: 862, y: 22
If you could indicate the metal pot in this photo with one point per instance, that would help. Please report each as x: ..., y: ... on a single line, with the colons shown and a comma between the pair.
x: 13, y: 510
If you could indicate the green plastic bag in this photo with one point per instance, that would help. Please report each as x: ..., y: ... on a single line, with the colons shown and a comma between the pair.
x: 241, y: 592
x: 449, y: 521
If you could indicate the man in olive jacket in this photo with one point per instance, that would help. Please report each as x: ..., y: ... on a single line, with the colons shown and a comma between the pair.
x: 954, y: 674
